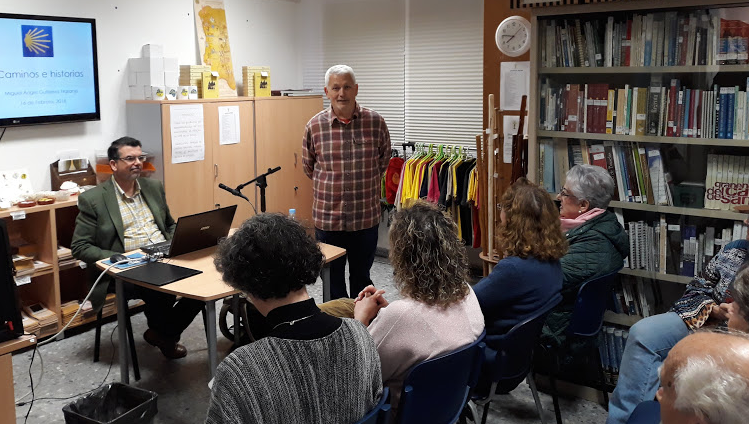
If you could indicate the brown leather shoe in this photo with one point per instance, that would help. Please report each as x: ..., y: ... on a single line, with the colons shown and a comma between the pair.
x: 169, y: 348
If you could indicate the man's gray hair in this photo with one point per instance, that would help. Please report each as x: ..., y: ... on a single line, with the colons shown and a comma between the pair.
x: 591, y: 183
x: 707, y: 388
x: 339, y: 70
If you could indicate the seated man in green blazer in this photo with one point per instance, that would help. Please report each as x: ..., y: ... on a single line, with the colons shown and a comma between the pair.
x: 121, y: 215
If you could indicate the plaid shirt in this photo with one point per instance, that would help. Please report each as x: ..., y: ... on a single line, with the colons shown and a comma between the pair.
x: 346, y: 162
x: 137, y: 219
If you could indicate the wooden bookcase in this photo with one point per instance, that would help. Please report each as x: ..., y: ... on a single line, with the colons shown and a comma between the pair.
x: 694, y: 149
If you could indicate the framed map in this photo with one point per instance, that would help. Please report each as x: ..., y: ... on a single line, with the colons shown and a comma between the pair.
x: 213, y: 40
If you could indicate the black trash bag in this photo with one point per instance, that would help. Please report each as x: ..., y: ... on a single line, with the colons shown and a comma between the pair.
x: 115, y: 403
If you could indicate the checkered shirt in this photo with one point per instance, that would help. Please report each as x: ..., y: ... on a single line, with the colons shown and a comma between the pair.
x: 137, y: 219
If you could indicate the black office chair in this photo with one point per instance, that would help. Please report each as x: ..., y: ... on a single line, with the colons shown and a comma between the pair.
x: 380, y: 414
x: 514, y: 360
x: 435, y: 391
x: 586, y: 323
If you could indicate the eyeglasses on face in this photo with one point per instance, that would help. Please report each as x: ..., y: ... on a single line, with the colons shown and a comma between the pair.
x: 565, y: 193
x: 132, y: 159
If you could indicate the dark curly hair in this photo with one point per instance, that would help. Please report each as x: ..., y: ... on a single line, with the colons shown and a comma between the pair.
x: 269, y: 257
x: 531, y: 226
x: 429, y: 260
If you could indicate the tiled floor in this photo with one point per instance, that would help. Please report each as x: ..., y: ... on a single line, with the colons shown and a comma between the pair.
x: 182, y: 384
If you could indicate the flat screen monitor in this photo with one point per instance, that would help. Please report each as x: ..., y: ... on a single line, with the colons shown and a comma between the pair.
x: 48, y: 70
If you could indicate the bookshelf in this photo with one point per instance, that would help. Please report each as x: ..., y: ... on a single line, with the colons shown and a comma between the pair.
x: 586, y: 59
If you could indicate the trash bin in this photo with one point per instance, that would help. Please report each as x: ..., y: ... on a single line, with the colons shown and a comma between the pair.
x: 114, y: 403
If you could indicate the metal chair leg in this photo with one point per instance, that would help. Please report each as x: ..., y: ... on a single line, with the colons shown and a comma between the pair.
x: 486, y: 413
x: 532, y: 384
x: 555, y: 398
x: 97, y: 336
x: 602, y: 379
x: 133, y: 353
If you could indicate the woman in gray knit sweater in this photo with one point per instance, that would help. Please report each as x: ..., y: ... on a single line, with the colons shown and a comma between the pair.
x: 312, y: 368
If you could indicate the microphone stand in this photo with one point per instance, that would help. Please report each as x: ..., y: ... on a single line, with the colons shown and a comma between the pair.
x: 260, y: 181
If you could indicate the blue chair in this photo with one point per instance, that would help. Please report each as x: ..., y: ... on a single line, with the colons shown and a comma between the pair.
x: 435, y: 391
x: 648, y: 412
x: 380, y: 414
x: 514, y: 358
x: 586, y: 322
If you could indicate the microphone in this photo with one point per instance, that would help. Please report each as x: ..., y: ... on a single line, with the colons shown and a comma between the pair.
x: 274, y: 170
x: 233, y: 191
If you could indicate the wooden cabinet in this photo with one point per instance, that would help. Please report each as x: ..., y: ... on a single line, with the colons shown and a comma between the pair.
x: 192, y: 187
x: 271, y: 131
x: 280, y: 130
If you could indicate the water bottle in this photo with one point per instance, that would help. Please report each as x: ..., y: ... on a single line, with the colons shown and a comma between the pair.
x: 292, y: 214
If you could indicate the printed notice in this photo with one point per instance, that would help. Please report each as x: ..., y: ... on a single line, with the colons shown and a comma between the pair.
x: 510, y: 126
x: 188, y: 141
x: 514, y: 83
x: 228, y: 124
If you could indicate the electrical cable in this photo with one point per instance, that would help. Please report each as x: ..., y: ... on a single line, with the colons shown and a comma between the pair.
x: 109, y: 370
x: 52, y: 338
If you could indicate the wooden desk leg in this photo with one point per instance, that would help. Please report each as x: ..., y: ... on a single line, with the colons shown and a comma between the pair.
x: 7, y: 396
x: 325, y: 276
x: 235, y: 311
x: 122, y: 332
x: 210, y: 333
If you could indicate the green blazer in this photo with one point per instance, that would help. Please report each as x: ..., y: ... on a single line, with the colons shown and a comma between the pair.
x: 99, y: 232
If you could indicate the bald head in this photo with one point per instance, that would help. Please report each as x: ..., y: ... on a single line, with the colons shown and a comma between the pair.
x: 705, y: 380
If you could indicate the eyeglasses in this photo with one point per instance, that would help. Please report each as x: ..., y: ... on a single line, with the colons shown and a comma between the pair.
x: 565, y: 193
x: 132, y: 159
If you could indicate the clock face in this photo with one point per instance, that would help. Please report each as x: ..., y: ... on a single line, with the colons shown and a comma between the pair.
x: 513, y: 36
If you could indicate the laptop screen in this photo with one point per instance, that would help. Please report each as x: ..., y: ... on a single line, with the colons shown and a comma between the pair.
x: 202, y: 230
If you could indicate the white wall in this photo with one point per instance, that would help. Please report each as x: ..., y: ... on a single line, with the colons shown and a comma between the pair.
x: 261, y: 32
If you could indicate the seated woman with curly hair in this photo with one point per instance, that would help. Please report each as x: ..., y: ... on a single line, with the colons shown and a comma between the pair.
x: 529, y: 274
x: 312, y: 367
x: 439, y: 311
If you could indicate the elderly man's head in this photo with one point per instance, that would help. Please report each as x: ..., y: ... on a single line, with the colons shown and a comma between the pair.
x: 705, y: 380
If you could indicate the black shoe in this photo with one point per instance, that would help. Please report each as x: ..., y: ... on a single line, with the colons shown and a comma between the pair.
x: 169, y: 348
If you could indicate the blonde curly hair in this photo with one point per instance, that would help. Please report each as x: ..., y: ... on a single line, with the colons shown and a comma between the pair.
x: 428, y: 258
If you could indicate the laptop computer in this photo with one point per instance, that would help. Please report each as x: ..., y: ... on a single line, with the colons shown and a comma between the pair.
x: 195, y: 232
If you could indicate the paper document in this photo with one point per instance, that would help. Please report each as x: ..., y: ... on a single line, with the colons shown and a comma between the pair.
x: 510, y: 126
x: 188, y: 139
x: 228, y: 124
x: 514, y: 83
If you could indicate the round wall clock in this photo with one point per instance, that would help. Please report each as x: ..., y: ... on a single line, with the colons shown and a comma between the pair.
x: 513, y: 36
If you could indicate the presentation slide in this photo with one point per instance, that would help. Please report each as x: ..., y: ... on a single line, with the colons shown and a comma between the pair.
x: 46, y: 68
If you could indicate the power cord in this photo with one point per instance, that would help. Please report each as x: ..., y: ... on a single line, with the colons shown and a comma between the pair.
x: 31, y: 403
x: 52, y: 338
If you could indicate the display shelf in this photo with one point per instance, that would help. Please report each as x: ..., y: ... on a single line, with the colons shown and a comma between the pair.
x: 91, y: 319
x: 621, y: 319
x: 75, y: 264
x: 721, y: 142
x: 645, y: 70
x: 681, y: 279
x: 39, y: 208
x: 674, y: 210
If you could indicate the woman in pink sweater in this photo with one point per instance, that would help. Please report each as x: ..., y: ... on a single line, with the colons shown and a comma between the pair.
x: 439, y: 311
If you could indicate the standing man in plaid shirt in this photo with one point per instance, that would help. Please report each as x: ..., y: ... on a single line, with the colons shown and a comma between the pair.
x: 346, y: 151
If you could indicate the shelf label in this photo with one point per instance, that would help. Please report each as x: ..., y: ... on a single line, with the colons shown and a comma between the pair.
x: 26, y: 279
x: 17, y: 215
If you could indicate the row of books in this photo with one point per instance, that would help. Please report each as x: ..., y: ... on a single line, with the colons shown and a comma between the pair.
x: 637, y: 170
x: 726, y: 181
x: 673, y: 111
x: 672, y: 248
x: 611, y: 343
x: 655, y: 39
x: 635, y: 297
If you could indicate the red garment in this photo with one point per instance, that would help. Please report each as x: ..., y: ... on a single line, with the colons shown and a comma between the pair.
x: 434, y: 186
x: 393, y: 178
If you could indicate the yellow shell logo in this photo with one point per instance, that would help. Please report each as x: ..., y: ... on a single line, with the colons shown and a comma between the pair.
x: 184, y: 92
x: 159, y: 92
x: 37, y: 41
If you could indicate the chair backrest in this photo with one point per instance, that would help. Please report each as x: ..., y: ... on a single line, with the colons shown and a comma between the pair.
x: 647, y: 412
x: 380, y: 414
x: 515, y: 349
x: 436, y: 390
x: 587, y: 314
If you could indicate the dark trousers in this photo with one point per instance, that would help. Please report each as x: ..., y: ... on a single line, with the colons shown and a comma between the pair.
x: 165, y: 315
x: 360, y: 250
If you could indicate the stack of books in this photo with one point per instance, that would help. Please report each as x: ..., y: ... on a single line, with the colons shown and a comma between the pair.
x: 30, y: 325
x: 192, y: 75
x: 69, y: 309
x: 46, y: 318
x: 109, y: 308
x: 248, y: 82
x: 65, y: 257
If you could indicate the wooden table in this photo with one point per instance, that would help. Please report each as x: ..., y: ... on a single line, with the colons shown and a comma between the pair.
x: 7, y: 395
x: 206, y: 287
